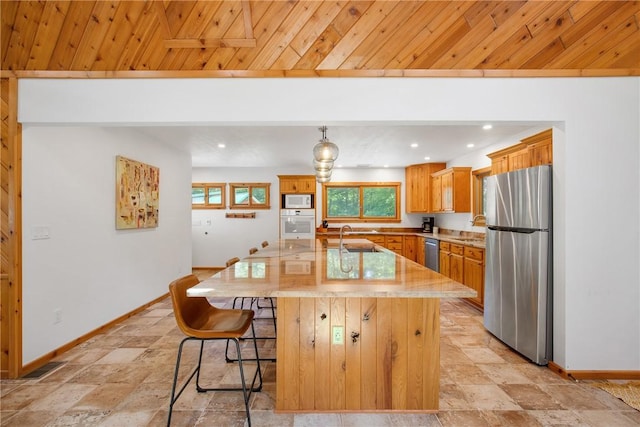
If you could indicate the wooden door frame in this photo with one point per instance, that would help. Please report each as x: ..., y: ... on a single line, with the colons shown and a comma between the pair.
x: 11, y: 321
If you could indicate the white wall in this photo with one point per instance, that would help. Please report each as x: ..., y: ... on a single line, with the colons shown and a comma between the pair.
x: 596, y: 164
x: 216, y: 238
x: 88, y: 270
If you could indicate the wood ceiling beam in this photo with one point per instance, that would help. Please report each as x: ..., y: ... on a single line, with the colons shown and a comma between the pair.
x: 477, y: 73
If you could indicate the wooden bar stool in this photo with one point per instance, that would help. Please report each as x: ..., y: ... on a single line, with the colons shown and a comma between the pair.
x: 200, y: 321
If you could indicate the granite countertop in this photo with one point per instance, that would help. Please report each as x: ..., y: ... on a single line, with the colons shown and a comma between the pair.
x: 452, y: 236
x: 467, y: 240
x: 316, y: 268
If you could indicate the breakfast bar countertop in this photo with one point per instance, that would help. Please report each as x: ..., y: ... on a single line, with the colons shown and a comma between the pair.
x: 313, y: 268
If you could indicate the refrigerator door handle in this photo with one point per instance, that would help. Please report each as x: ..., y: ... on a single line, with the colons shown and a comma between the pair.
x: 513, y: 229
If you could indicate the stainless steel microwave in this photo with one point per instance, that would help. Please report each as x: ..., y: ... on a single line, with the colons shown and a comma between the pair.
x: 297, y: 201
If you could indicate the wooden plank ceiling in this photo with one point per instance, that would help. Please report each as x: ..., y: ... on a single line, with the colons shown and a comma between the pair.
x: 321, y: 37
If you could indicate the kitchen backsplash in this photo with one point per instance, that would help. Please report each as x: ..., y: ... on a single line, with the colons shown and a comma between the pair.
x: 457, y: 221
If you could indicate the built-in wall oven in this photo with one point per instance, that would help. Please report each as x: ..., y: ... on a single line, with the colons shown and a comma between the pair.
x: 297, y: 224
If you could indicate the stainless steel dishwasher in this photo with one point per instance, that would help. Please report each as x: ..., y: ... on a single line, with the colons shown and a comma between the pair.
x: 432, y: 254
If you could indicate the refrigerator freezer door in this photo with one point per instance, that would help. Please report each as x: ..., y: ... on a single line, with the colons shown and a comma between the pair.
x: 520, y: 199
x: 516, y: 308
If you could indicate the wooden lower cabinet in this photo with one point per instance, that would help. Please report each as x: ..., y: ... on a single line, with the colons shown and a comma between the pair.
x: 456, y: 269
x: 409, y: 247
x: 389, y: 359
x: 474, y: 273
x: 445, y: 259
x: 452, y: 261
x: 395, y: 244
x: 464, y: 264
x: 420, y: 250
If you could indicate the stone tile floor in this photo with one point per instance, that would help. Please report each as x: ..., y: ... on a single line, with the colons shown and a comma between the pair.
x: 123, y: 378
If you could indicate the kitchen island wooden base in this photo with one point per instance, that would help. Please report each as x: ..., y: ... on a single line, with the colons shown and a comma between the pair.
x: 388, y: 359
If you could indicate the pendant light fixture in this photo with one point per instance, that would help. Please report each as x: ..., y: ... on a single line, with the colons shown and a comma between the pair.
x: 323, y: 173
x: 322, y: 164
x: 324, y: 154
x: 325, y: 149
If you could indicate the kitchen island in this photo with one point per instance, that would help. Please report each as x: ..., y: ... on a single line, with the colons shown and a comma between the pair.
x: 358, y: 327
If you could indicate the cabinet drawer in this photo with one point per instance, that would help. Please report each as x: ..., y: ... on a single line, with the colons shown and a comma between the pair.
x: 394, y: 239
x: 457, y: 249
x: 394, y: 246
x: 474, y: 253
x: 445, y: 246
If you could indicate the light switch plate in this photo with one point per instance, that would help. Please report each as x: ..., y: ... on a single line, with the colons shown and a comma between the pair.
x: 39, y: 232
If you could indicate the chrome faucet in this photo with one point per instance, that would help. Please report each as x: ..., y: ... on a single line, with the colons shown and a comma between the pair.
x: 342, y: 232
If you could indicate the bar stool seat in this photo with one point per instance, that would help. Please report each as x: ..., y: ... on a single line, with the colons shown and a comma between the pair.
x: 200, y: 321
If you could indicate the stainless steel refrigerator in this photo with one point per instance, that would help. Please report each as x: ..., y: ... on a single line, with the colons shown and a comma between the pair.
x: 518, y: 274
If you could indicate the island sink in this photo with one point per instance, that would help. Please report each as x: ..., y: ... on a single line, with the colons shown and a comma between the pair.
x: 350, y: 248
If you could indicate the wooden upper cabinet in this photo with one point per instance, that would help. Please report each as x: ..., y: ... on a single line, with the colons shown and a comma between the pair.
x: 518, y: 159
x: 540, y: 147
x: 297, y: 184
x: 452, y: 190
x: 436, y: 193
x: 446, y: 188
x: 418, y: 186
x: 535, y: 150
x: 499, y: 164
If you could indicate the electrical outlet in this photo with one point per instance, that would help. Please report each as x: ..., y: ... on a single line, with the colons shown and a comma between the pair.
x: 338, y: 335
x: 57, y: 316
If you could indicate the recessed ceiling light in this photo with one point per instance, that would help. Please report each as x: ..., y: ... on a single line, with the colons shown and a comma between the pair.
x: 427, y: 158
x: 386, y: 166
x: 487, y: 127
x: 221, y: 145
x: 338, y: 166
x: 470, y: 145
x: 414, y: 145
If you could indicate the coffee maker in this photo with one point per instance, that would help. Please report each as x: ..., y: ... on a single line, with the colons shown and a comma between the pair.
x: 428, y: 222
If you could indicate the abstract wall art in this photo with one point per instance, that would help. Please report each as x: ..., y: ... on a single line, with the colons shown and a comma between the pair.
x: 137, y: 194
